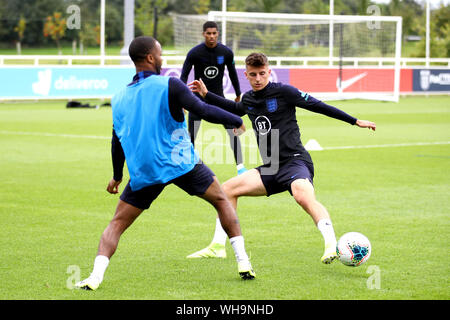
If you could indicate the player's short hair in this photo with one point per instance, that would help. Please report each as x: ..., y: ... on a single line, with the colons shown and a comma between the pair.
x: 256, y: 59
x: 210, y: 24
x: 140, y: 47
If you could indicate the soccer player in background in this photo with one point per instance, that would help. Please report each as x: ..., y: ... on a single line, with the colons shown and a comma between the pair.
x: 209, y: 60
x: 287, y: 166
x: 149, y: 132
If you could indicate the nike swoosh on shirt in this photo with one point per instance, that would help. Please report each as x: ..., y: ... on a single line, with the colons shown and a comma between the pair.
x: 347, y: 83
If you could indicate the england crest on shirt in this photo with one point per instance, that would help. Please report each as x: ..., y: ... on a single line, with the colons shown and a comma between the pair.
x: 220, y: 59
x: 272, y: 105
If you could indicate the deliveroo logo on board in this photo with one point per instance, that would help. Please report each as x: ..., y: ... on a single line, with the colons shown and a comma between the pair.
x: 44, y: 83
x: 68, y: 82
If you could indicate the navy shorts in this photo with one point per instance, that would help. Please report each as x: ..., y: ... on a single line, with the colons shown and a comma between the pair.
x: 286, y: 174
x: 195, y: 183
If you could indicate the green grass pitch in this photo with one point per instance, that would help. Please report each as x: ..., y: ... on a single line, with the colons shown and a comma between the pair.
x: 55, y: 164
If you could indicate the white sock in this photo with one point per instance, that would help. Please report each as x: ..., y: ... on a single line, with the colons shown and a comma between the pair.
x: 220, y: 236
x: 239, y: 249
x: 240, y: 166
x: 100, y: 265
x: 326, y: 228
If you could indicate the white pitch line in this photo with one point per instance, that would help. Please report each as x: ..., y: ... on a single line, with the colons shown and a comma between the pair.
x: 392, y: 145
x: 47, y: 134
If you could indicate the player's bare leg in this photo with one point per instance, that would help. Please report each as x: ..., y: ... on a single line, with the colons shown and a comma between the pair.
x: 230, y: 222
x: 303, y: 193
x: 124, y: 216
x: 227, y: 214
x: 247, y: 184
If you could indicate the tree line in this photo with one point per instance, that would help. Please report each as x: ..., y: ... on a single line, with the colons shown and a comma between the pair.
x: 38, y: 23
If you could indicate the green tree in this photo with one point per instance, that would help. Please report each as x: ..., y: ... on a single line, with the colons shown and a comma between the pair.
x: 202, y: 6
x: 441, y: 17
x: 20, y: 30
x: 275, y: 40
x: 362, y: 7
x: 316, y: 7
x: 270, y: 5
x: 439, y: 34
x: 144, y: 20
x: 292, y: 6
x: 88, y: 36
x: 411, y: 13
x: 55, y: 27
x: 114, y: 21
x: 441, y: 28
x: 35, y: 13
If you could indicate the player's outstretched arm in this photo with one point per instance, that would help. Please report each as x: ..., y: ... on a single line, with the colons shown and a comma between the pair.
x: 307, y: 102
x: 183, y: 97
x: 366, y: 124
x: 213, y: 99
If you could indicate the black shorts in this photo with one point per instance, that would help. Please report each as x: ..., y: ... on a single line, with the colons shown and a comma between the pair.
x: 286, y: 174
x: 195, y: 183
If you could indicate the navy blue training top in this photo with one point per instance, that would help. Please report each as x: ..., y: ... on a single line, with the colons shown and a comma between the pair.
x: 272, y: 111
x: 209, y: 65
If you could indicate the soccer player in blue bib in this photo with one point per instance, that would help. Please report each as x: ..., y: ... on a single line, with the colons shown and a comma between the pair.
x: 287, y: 166
x: 150, y: 134
x: 209, y: 60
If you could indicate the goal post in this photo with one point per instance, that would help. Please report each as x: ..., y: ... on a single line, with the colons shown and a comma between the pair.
x: 373, y: 41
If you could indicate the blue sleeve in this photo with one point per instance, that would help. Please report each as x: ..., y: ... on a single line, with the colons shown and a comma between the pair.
x: 181, y: 97
x: 305, y: 101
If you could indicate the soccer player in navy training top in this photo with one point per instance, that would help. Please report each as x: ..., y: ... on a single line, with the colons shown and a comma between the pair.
x: 209, y: 60
x: 149, y: 132
x: 287, y: 166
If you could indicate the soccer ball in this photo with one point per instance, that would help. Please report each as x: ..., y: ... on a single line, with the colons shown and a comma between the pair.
x: 353, y: 249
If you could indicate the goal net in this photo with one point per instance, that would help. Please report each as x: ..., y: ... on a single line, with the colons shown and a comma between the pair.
x: 331, y: 57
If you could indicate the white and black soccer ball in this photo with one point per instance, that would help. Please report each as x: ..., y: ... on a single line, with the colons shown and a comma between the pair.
x: 353, y: 249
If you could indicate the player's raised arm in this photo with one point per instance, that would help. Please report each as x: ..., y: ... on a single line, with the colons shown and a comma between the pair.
x: 184, y: 97
x: 211, y: 98
x: 305, y: 101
